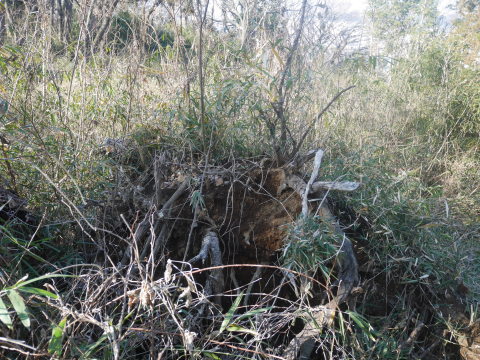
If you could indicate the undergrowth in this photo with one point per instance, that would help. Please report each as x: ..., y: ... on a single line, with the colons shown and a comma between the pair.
x: 77, y: 128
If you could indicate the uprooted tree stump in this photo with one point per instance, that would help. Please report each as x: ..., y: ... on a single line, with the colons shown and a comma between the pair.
x: 192, y: 260
x: 243, y: 213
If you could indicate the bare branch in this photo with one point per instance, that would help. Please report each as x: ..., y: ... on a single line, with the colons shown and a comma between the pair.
x: 146, y: 223
x: 318, y: 117
x: 279, y: 106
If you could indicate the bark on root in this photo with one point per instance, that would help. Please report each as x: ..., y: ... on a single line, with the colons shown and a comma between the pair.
x: 211, y: 248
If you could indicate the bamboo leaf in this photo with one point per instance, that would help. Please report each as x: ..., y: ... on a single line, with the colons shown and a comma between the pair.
x: 238, y: 328
x: 211, y: 355
x: 254, y: 312
x: 37, y: 291
x: 55, y: 344
x: 363, y: 324
x: 91, y: 348
x: 22, y: 283
x: 4, y: 315
x: 279, y: 58
x: 230, y: 313
x: 19, y: 306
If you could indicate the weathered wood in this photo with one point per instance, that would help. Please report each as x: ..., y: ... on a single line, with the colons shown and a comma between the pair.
x: 301, y: 347
x: 303, y: 344
x: 211, y: 247
x: 152, y: 220
x: 158, y: 175
x: 313, y: 177
x: 162, y: 214
x: 335, y: 185
x: 296, y: 183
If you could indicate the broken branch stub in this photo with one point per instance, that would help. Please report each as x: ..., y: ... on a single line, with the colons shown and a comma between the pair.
x: 316, y: 168
x: 335, y: 185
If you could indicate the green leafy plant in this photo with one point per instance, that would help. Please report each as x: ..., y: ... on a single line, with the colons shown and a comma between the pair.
x: 17, y: 302
x: 197, y: 200
x: 310, y: 247
x: 55, y: 343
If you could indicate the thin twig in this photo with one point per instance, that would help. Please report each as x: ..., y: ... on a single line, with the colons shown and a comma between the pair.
x: 318, y: 117
x: 279, y: 106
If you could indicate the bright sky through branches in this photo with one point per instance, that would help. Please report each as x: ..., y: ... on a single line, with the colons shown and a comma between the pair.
x: 353, y: 10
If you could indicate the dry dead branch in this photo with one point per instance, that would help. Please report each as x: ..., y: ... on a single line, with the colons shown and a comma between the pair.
x: 335, y: 185
x: 152, y: 220
x: 316, y: 167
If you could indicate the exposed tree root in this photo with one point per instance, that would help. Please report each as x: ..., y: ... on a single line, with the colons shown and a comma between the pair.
x: 152, y: 221
x: 303, y: 343
x: 211, y: 247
